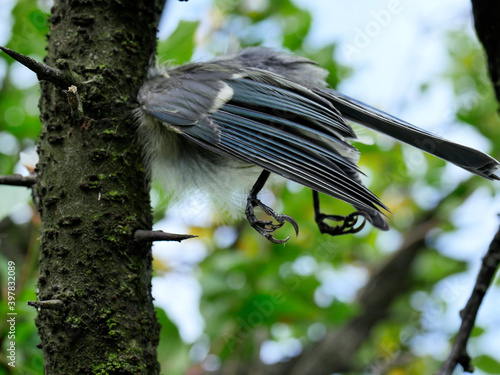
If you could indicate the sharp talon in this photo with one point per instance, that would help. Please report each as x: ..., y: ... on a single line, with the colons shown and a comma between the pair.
x: 292, y: 221
x: 274, y: 240
x: 266, y: 227
x: 347, y: 223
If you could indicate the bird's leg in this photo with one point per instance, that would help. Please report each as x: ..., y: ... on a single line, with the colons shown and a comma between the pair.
x: 266, y: 228
x: 347, y: 223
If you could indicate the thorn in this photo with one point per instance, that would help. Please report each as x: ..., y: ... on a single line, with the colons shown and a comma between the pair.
x: 18, y: 180
x: 43, y: 72
x: 51, y: 304
x: 159, y: 235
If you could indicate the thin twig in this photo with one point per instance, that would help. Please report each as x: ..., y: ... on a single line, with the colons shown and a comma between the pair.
x: 158, y: 235
x: 18, y: 180
x: 485, y: 276
x: 51, y: 304
x: 43, y: 72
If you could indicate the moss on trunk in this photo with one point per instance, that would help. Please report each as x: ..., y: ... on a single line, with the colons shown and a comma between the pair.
x: 93, y: 193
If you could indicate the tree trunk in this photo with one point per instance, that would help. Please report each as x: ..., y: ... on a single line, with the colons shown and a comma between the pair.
x: 93, y: 193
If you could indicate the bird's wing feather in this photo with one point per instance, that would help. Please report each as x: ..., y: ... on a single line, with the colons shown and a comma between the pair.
x: 268, y: 121
x: 293, y: 157
x: 465, y: 157
x: 309, y: 74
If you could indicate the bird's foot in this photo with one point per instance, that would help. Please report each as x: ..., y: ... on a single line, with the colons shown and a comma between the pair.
x: 347, y: 223
x: 267, y: 227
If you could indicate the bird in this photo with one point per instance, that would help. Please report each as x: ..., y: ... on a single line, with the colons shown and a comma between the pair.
x: 224, y: 126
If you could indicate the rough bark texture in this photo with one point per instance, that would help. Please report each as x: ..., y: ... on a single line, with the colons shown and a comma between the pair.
x: 487, y: 24
x: 93, y: 193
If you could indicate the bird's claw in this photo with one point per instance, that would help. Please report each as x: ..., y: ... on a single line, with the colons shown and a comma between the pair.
x: 347, y: 223
x: 267, y: 227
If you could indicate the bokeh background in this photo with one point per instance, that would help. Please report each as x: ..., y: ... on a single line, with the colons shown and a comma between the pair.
x: 418, y: 60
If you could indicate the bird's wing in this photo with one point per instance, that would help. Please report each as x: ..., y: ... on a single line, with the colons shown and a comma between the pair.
x: 465, y: 157
x: 261, y: 118
x: 309, y: 74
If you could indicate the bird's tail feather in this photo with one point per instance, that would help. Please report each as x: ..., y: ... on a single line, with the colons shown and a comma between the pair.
x: 465, y: 157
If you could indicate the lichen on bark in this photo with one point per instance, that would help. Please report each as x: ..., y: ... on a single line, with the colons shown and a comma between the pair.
x: 92, y: 193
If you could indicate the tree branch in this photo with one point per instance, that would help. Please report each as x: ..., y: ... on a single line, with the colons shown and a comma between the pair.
x: 485, y: 276
x: 486, y: 22
x: 51, y: 304
x: 159, y: 235
x: 18, y: 180
x: 43, y: 72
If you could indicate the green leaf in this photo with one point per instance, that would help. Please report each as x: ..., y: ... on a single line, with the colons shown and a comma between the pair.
x: 296, y: 26
x: 487, y: 364
x: 477, y: 331
x: 179, y: 46
x: 29, y: 29
x: 172, y: 352
x: 432, y: 267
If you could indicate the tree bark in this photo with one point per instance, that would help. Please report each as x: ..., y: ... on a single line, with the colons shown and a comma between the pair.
x: 93, y: 193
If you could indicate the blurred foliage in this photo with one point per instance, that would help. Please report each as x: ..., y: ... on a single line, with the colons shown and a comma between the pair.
x: 487, y: 364
x: 19, y: 129
x: 254, y: 291
x: 178, y: 48
x: 171, y: 343
x: 472, y: 85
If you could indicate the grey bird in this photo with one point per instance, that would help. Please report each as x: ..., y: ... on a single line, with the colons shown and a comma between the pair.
x: 221, y: 125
